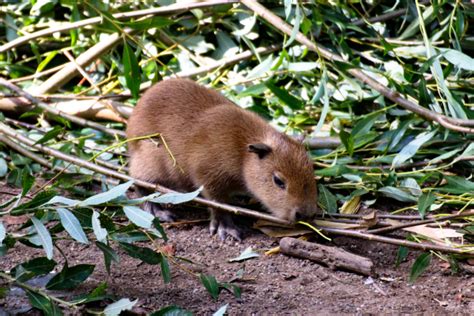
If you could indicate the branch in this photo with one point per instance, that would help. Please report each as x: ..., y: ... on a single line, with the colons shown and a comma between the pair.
x: 49, y: 109
x: 171, y: 9
x: 393, y: 241
x: 332, y: 257
x: 69, y: 70
x: 25, y: 152
x: 421, y: 222
x: 278, y: 23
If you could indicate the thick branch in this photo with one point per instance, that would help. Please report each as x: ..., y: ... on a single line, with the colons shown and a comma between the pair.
x: 279, y: 24
x: 333, y: 257
x: 51, y: 110
x: 69, y: 71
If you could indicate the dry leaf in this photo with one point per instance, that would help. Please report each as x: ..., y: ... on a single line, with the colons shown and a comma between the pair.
x: 351, y: 206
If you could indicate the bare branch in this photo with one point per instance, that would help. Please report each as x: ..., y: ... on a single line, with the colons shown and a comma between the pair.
x: 51, y: 110
x: 394, y: 241
x: 421, y: 222
x: 69, y: 70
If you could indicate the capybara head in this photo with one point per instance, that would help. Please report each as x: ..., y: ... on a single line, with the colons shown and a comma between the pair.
x: 279, y: 173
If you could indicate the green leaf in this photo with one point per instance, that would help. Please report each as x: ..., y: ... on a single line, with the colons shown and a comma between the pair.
x: 109, y: 255
x: 411, y: 148
x: 334, y: 171
x: 97, y: 294
x: 3, y: 167
x: 322, y: 93
x: 131, y: 70
x: 293, y: 102
x: 468, y: 152
x: 363, y: 126
x: 32, y: 268
x: 42, y: 6
x: 39, y: 199
x: 153, y: 22
x: 402, y: 254
x: 411, y: 186
x: 262, y: 68
x: 146, y: 255
x: 107, y: 196
x: 248, y: 24
x: 43, y: 303
x: 71, y: 225
x: 139, y: 217
x: 121, y: 305
x: 420, y: 265
x: 327, y: 200
x: 159, y: 228
x: 62, y: 200
x: 211, y: 285
x: 296, y: 25
x: 177, y: 198
x: 27, y: 181
x: 457, y: 185
x: 3, y: 233
x: 397, y: 194
x: 99, y: 232
x: 70, y: 277
x: 426, y: 199
x: 172, y: 311
x: 44, y: 237
x: 445, y: 156
x: 50, y: 135
x: 458, y: 59
x: 221, y: 311
x: 248, y: 253
x: 165, y: 269
x: 348, y: 141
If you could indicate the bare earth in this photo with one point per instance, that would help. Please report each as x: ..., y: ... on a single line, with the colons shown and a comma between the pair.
x: 273, y: 284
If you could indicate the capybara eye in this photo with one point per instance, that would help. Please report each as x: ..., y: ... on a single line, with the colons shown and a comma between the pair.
x: 279, y: 182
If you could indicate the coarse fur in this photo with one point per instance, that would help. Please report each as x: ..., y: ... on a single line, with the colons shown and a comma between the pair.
x: 220, y: 146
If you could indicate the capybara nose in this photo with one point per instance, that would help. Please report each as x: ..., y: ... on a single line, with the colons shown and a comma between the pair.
x: 304, y: 213
x: 299, y: 216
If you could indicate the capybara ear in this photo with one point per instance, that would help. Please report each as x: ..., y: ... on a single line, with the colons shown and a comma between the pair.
x: 260, y: 149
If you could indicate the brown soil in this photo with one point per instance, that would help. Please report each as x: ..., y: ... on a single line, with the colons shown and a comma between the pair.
x: 274, y: 284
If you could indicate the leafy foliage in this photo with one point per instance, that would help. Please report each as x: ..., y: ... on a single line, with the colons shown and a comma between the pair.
x: 387, y: 153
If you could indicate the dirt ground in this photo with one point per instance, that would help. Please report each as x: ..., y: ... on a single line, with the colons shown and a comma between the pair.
x: 274, y: 284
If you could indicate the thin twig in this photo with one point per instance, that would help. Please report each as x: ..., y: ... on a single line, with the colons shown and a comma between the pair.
x: 37, y: 290
x: 82, y: 71
x: 25, y: 152
x: 392, y: 228
x: 394, y: 241
x: 278, y: 23
x: 37, y: 75
x: 49, y: 109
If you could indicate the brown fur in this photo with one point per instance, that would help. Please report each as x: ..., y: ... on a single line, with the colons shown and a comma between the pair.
x: 209, y: 137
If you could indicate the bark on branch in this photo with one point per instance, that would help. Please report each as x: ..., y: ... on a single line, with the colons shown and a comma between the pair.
x: 333, y: 257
